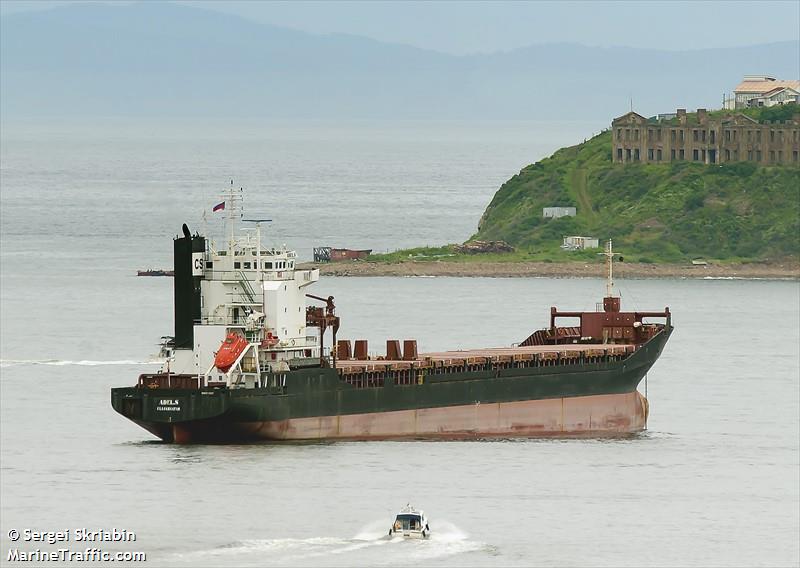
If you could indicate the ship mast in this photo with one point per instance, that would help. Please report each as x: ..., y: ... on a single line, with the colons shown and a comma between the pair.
x: 234, y: 206
x: 609, y: 254
x: 611, y: 303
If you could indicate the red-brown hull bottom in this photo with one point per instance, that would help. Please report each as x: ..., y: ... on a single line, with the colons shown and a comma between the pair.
x: 586, y: 415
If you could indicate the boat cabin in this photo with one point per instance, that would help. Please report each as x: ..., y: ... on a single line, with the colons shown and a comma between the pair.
x: 410, y: 523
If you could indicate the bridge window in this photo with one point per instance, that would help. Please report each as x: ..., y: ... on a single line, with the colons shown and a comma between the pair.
x: 237, y: 265
x: 247, y: 265
x: 268, y: 265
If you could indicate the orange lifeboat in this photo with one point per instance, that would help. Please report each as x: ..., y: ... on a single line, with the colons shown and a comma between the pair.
x: 229, y: 351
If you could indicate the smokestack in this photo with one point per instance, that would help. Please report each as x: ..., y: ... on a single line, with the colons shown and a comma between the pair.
x: 186, y: 287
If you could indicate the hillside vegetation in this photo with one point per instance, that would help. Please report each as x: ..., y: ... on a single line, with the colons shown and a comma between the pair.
x: 654, y: 212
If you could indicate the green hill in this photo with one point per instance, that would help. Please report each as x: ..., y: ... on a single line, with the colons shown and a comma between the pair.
x: 654, y: 212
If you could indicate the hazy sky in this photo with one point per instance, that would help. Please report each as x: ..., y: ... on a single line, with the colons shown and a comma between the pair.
x: 468, y: 27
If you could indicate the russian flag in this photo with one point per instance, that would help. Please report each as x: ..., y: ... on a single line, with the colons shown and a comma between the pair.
x: 219, y: 207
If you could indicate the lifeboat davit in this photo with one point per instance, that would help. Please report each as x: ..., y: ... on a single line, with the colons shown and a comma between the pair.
x: 229, y: 351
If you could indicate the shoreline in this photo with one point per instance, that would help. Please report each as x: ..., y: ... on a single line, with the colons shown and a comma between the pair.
x: 788, y: 270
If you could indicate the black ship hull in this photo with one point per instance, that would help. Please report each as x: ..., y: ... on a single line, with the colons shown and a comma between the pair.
x: 561, y: 397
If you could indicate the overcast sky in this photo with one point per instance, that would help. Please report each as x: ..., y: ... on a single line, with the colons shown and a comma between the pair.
x: 468, y: 27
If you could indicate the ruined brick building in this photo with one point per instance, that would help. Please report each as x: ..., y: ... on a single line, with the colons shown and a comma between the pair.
x: 705, y: 139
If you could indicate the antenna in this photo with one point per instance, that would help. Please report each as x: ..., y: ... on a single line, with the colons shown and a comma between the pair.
x: 234, y: 203
x: 259, y: 261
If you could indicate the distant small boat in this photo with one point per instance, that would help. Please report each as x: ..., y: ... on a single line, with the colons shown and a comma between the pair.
x: 155, y: 272
x: 330, y: 254
x: 410, y: 523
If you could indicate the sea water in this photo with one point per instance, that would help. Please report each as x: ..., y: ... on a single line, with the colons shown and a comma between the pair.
x: 713, y: 481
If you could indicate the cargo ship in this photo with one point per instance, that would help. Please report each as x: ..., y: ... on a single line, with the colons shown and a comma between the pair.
x: 250, y: 360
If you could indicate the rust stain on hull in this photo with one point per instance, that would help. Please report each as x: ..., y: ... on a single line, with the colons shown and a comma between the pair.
x: 599, y: 414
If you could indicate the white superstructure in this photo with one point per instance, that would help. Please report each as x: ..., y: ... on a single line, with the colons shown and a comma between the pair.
x: 255, y: 292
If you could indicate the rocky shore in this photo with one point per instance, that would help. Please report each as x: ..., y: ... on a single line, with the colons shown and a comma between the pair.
x: 779, y: 270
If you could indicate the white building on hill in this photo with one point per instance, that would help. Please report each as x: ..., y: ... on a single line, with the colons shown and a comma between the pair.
x: 556, y: 212
x: 579, y: 243
x: 761, y: 90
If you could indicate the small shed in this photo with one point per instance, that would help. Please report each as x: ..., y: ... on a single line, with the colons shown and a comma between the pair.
x: 575, y: 242
x: 556, y: 212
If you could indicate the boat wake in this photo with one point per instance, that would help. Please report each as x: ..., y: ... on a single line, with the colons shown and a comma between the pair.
x: 61, y: 363
x: 370, y: 546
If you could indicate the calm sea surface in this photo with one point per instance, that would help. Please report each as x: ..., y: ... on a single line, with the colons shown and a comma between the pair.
x: 715, y: 481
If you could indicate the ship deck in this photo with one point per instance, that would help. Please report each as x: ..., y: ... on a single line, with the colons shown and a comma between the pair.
x: 485, y: 355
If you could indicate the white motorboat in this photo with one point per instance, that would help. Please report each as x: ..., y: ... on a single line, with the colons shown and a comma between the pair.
x: 410, y: 523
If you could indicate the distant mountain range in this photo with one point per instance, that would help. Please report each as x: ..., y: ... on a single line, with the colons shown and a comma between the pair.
x: 159, y: 59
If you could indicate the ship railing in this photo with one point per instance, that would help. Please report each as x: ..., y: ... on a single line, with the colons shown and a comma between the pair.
x: 266, y: 274
x: 408, y: 373
x: 223, y: 320
x: 168, y: 381
x: 238, y: 300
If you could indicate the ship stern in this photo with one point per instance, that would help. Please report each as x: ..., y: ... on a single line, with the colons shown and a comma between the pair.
x: 173, y: 415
